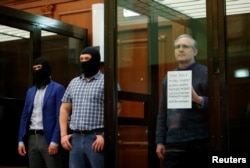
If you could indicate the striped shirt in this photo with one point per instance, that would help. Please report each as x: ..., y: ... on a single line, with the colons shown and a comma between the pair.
x: 87, y: 98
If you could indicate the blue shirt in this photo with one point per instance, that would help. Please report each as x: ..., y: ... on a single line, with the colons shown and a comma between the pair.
x: 87, y: 98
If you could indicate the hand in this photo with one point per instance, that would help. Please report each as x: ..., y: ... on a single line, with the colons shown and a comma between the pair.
x: 160, y: 150
x: 65, y: 142
x: 196, y: 98
x: 53, y: 149
x: 119, y: 108
x: 98, y: 144
x: 22, y: 150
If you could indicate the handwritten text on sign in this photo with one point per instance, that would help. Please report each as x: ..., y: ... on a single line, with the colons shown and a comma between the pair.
x: 179, y: 89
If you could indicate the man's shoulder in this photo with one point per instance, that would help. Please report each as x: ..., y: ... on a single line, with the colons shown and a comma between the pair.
x: 201, y: 66
x: 56, y: 84
x: 99, y: 75
x: 32, y: 88
x: 77, y: 78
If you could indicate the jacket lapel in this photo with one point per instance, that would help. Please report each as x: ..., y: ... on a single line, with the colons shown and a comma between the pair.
x: 47, y: 93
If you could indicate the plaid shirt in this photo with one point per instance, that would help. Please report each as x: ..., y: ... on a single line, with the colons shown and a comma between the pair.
x: 87, y: 98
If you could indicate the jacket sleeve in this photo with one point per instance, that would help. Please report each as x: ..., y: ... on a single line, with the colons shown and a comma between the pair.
x: 161, y: 126
x: 25, y: 116
x: 59, y: 94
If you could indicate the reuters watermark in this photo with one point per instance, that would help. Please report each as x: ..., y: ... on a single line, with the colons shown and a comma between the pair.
x: 231, y: 159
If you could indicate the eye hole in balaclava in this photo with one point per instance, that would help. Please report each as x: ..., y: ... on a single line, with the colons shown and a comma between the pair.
x: 92, y: 66
x: 42, y: 76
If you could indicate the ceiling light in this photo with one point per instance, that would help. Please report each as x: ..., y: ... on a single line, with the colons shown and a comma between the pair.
x: 129, y: 13
x: 188, y: 7
x: 8, y: 33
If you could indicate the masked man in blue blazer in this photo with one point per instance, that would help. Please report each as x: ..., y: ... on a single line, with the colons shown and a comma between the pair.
x: 39, y: 131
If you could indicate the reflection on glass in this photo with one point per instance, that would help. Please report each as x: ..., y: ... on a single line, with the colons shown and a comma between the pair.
x: 132, y: 145
x: 191, y: 8
x: 139, y: 39
x: 241, y: 73
x: 63, y: 53
x: 237, y: 7
x: 132, y: 53
x: 47, y: 33
x: 238, y: 53
x: 132, y: 109
x: 133, y: 77
x: 14, y: 62
x: 197, y: 9
x: 129, y: 13
x: 8, y: 33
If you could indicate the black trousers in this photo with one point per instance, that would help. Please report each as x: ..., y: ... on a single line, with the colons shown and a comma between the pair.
x: 187, y: 154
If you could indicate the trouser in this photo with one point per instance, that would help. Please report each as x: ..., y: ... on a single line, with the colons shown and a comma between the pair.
x: 82, y: 155
x: 186, y: 154
x: 38, y: 153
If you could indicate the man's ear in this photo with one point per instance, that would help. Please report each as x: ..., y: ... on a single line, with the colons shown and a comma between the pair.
x: 195, y: 52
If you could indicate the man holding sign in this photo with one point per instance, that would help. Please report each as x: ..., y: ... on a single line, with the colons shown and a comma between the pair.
x: 182, y: 121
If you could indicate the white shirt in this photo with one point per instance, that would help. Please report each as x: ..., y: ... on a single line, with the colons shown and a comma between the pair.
x: 37, y: 114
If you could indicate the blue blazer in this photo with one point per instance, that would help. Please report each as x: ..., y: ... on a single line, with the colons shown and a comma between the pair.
x: 51, y: 109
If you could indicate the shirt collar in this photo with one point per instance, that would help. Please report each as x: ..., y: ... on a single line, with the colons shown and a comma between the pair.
x: 188, y: 68
x: 96, y: 76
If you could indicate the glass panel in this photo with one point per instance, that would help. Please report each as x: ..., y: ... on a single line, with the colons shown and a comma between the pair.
x: 63, y: 53
x: 133, y: 145
x: 142, y: 24
x: 132, y: 51
x: 238, y: 65
x: 168, y: 31
x: 133, y: 77
x: 191, y: 8
x: 179, y: 17
x: 15, y: 78
x: 132, y: 109
x: 14, y: 62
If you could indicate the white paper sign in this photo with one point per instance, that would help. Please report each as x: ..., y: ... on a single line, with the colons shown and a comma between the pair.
x: 179, y: 89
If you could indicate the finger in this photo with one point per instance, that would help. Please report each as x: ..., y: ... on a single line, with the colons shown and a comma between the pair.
x: 21, y: 152
x: 67, y: 145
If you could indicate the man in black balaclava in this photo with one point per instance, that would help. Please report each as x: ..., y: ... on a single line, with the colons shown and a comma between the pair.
x: 39, y: 121
x: 83, y: 102
x: 42, y: 70
x: 92, y: 66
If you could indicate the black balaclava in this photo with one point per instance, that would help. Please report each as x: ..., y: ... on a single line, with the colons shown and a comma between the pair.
x: 91, y: 67
x: 42, y: 76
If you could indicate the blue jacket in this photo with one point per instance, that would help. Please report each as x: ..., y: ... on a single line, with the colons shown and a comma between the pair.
x: 51, y: 109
